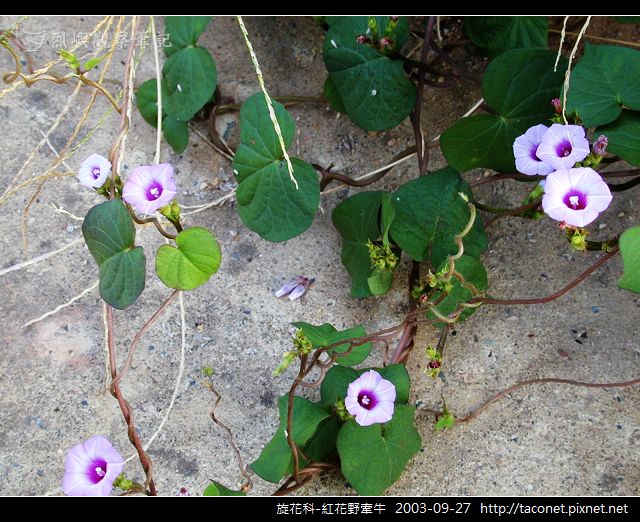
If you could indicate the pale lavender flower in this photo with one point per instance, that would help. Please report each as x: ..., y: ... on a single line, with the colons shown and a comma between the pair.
x: 150, y: 187
x: 94, y: 171
x: 91, y: 468
x: 524, y: 150
x: 575, y: 196
x: 563, y: 145
x: 370, y: 398
x: 600, y: 145
x: 295, y: 288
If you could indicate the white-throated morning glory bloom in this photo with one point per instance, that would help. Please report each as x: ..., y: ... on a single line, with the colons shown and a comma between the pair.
x: 150, y: 187
x: 370, y: 399
x: 94, y: 171
x: 562, y: 146
x: 525, y: 148
x: 575, y: 196
x: 91, y: 468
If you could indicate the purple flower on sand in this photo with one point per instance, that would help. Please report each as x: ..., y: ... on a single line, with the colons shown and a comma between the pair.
x: 575, y: 196
x: 563, y: 145
x: 295, y: 288
x: 150, y: 187
x: 91, y: 468
x: 370, y: 398
x: 524, y: 149
x: 94, y: 171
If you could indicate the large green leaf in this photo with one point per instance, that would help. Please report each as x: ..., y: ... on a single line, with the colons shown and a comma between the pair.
x: 176, y: 133
x: 323, y: 442
x: 624, y: 136
x: 473, y: 271
x: 630, y: 250
x: 357, y: 221
x: 606, y: 79
x: 518, y: 86
x: 147, y: 100
x: 504, y: 33
x: 326, y: 335
x: 110, y: 235
x: 276, y: 459
x: 374, y: 89
x: 183, y: 31
x: 190, y: 77
x: 430, y: 213
x: 190, y: 265
x: 268, y: 201
x: 372, y: 458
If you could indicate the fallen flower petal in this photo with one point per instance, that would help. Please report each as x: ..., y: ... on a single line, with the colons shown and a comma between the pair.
x: 295, y: 288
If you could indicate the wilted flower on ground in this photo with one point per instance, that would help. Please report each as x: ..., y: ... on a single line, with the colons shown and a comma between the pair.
x: 524, y: 150
x: 94, y: 171
x: 370, y: 398
x: 575, y: 196
x: 563, y: 145
x: 295, y: 288
x: 91, y: 468
x: 600, y: 145
x: 150, y: 187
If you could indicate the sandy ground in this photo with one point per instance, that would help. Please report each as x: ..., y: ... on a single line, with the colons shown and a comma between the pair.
x: 542, y: 440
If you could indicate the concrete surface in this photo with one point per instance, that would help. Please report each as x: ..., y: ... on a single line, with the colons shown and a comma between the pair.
x: 542, y: 440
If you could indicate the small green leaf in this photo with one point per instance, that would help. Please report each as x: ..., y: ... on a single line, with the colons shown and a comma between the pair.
x: 184, y: 31
x: 92, y: 63
x: 268, y: 201
x: 122, y: 278
x: 357, y: 221
x: 374, y: 89
x: 630, y: 251
x: 474, y: 273
x: 190, y: 265
x: 430, y: 213
x: 519, y: 86
x: 604, y: 81
x: 372, y: 458
x: 215, y: 489
x: 447, y: 420
x: 380, y: 281
x: 176, y: 133
x: 326, y: 335
x: 147, y: 100
x: 624, y: 136
x: 276, y: 459
x: 190, y: 78
x: 70, y: 58
x: 502, y: 33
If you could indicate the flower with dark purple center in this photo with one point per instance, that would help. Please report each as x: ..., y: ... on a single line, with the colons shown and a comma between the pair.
x: 370, y: 399
x: 524, y: 150
x: 562, y: 146
x: 600, y: 145
x: 575, y: 196
x: 91, y: 468
x: 94, y: 171
x: 150, y: 187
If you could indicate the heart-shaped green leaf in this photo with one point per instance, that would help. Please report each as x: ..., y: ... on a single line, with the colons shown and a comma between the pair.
x: 605, y: 80
x: 373, y: 88
x: 268, y: 201
x: 147, y: 100
x: 276, y: 459
x: 630, y: 250
x: 190, y: 265
x: 380, y: 281
x: 184, y: 31
x: 357, y: 221
x: 372, y: 458
x: 110, y: 235
x: 190, y: 77
x: 430, y: 212
x: 503, y: 33
x: 326, y: 335
x: 215, y: 489
x: 519, y: 86
x: 176, y: 133
x: 624, y: 136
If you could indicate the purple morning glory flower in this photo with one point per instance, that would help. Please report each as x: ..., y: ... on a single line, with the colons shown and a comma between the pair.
x: 150, y: 187
x: 370, y: 398
x: 295, y: 288
x: 91, y: 468
x: 94, y: 171
x: 563, y: 145
x: 575, y: 196
x: 524, y: 150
